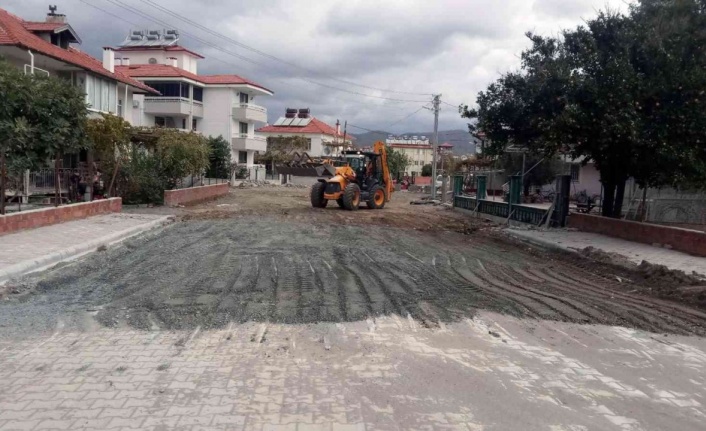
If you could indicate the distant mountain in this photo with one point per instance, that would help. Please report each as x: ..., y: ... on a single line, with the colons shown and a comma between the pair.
x: 462, y: 141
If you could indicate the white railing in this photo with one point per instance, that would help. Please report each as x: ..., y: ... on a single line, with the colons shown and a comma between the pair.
x: 197, y: 103
x: 246, y: 136
x: 166, y: 99
x: 251, y: 106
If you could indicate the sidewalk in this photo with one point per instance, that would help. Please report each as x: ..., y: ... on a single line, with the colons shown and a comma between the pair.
x: 633, y: 251
x: 35, y: 249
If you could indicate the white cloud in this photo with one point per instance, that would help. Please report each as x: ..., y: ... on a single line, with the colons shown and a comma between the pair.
x: 454, y: 47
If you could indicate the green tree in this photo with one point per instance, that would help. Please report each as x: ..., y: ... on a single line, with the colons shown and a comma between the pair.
x: 15, y: 130
x: 426, y: 170
x: 109, y: 138
x: 280, y: 149
x: 59, y: 114
x: 181, y: 154
x: 219, y: 158
x: 397, y: 162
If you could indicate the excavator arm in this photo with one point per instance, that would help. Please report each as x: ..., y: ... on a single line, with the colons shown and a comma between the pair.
x: 387, y: 178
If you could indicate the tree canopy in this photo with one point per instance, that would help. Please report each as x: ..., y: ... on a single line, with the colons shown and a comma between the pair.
x: 624, y: 92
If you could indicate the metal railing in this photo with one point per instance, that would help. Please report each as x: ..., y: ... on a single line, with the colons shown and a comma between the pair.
x: 247, y: 136
x: 198, y: 181
x: 161, y: 99
x: 251, y: 106
x: 520, y: 213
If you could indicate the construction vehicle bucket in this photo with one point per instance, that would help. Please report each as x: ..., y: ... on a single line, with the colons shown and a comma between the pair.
x: 309, y: 170
x: 302, y: 165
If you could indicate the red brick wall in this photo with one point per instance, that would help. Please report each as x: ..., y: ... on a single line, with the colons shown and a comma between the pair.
x: 47, y: 216
x: 173, y: 198
x: 688, y: 241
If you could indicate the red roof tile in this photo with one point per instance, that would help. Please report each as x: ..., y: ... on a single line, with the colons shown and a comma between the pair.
x: 174, y: 48
x: 43, y: 26
x: 316, y: 126
x: 168, y: 71
x: 14, y: 33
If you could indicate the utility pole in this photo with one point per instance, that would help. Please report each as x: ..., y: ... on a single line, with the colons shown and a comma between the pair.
x: 436, y: 104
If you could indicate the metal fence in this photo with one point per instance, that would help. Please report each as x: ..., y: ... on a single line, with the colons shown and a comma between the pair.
x: 665, y: 206
x: 197, y: 181
x: 520, y: 213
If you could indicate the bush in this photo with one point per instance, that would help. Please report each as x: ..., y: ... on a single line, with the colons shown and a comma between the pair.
x: 426, y: 170
x: 140, y: 181
x: 219, y: 158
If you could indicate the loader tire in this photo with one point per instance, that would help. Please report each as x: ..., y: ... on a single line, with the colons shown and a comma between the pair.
x: 340, y: 203
x: 377, y: 198
x: 351, y: 197
x: 317, y: 195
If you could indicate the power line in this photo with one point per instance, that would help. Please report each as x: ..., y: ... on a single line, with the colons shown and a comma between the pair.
x: 391, y: 124
x: 272, y: 57
x: 136, y: 11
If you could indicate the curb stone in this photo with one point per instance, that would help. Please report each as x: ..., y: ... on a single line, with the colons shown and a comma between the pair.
x: 75, y: 252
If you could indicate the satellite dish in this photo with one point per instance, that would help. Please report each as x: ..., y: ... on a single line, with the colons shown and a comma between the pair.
x: 152, y: 60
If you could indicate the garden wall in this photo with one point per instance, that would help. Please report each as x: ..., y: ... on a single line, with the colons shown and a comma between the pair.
x: 688, y: 241
x: 191, y: 195
x: 48, y: 216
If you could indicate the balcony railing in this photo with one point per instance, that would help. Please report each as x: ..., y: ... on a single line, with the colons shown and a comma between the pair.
x: 243, y: 141
x: 249, y: 112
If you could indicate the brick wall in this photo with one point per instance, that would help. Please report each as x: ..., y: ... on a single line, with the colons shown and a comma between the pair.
x: 194, y: 194
x: 688, y: 241
x: 48, y: 216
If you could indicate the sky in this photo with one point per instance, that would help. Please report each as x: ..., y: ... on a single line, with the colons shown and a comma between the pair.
x: 343, y: 59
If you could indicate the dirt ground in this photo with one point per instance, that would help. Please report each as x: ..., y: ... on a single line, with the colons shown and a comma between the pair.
x: 263, y: 254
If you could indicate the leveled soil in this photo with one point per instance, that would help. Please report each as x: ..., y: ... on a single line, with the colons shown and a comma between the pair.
x: 263, y: 254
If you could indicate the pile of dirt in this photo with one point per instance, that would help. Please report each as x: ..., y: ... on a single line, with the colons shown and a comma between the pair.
x: 606, y: 257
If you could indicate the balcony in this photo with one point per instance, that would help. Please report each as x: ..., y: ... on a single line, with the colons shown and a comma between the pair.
x: 244, y: 142
x: 249, y: 112
x: 173, y: 106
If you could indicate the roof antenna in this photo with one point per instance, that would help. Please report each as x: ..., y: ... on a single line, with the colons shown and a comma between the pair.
x: 52, y: 10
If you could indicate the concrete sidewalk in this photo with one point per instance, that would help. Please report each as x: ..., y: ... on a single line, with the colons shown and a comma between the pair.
x: 35, y: 249
x: 634, y: 251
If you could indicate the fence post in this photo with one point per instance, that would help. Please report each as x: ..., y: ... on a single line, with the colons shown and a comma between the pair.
x: 561, y: 200
x: 481, y: 187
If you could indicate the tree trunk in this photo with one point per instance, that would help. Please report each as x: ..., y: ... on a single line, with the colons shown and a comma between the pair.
x: 643, y: 211
x: 619, y: 195
x: 526, y: 187
x: 608, y: 199
x: 57, y: 187
x: 2, y: 183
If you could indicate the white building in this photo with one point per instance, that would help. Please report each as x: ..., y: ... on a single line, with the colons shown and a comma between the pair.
x: 214, y: 105
x: 324, y: 140
x: 45, y: 47
x: 417, y: 148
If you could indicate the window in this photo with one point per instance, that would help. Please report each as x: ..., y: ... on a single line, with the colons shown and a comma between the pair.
x: 198, y: 94
x: 243, y: 128
x: 169, y: 89
x: 160, y: 121
x: 575, y: 170
x: 183, y: 123
x: 184, y: 90
x: 120, y: 107
x: 101, y: 94
x: 193, y: 124
x: 242, y: 156
x: 244, y: 98
x: 308, y: 144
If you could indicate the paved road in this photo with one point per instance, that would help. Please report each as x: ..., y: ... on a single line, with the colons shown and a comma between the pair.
x: 491, y: 372
x: 257, y: 312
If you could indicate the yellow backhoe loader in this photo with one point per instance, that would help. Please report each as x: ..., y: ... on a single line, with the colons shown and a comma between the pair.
x: 353, y: 178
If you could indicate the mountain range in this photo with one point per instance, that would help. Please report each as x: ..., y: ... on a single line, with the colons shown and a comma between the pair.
x: 462, y: 141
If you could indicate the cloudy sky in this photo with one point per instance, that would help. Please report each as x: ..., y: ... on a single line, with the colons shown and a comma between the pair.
x: 334, y: 54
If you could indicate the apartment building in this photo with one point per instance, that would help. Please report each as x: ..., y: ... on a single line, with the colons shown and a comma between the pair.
x: 324, y: 140
x: 47, y: 47
x: 214, y: 105
x: 417, y: 148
